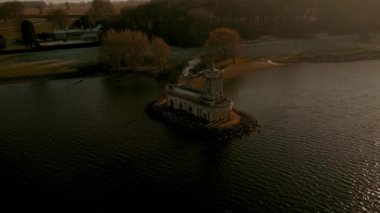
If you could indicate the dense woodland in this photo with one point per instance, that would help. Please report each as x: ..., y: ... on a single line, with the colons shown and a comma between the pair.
x: 187, y: 23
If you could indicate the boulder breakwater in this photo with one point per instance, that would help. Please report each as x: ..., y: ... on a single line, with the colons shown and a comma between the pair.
x: 200, y: 128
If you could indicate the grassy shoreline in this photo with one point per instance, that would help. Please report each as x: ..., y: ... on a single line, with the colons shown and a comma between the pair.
x: 62, y: 69
x: 58, y: 69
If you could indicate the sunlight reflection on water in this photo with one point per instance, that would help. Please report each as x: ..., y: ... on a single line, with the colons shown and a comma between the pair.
x: 91, y: 144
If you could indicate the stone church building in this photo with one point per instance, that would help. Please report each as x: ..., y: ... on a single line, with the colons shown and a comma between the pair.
x: 208, y: 102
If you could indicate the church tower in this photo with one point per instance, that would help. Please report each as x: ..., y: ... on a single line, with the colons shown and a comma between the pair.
x: 213, y: 85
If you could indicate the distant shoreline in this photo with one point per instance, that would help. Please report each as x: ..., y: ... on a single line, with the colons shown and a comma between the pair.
x: 248, y: 66
x: 50, y: 48
x: 332, y: 58
x: 91, y: 71
x: 232, y: 70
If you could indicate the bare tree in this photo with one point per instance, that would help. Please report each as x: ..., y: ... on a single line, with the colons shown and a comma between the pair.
x: 161, y: 51
x: 224, y: 42
x: 137, y: 45
x: 120, y: 49
x: 112, y: 51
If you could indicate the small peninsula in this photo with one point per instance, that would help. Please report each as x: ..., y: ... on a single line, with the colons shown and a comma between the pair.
x: 202, y: 112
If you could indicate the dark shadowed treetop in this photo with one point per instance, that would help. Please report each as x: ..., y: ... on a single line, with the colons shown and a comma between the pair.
x: 187, y: 22
x: 28, y: 33
x: 11, y: 10
x: 33, y: 4
x: 83, y: 22
x: 3, y: 42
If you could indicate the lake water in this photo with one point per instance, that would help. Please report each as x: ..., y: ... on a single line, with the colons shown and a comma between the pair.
x: 86, y: 144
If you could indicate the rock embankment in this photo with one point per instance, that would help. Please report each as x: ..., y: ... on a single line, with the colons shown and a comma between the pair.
x: 197, y: 127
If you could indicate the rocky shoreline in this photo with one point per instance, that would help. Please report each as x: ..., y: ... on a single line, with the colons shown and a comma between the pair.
x: 197, y: 127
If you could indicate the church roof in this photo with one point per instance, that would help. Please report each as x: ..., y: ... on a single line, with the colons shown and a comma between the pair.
x: 187, y: 92
x: 193, y: 95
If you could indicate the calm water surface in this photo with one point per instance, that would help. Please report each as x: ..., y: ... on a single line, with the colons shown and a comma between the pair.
x: 87, y: 145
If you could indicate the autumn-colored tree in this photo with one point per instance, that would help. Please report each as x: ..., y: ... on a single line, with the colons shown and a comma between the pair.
x: 112, y: 51
x: 124, y: 48
x: 224, y: 42
x: 58, y: 18
x: 161, y: 51
x: 138, y: 46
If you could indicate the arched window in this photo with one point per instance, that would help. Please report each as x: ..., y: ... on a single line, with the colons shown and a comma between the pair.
x: 191, y: 109
x: 171, y: 104
x: 180, y: 106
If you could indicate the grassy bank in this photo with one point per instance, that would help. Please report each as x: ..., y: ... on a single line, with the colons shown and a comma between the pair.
x: 36, y: 69
x: 45, y: 64
x: 83, y: 61
x: 21, y: 67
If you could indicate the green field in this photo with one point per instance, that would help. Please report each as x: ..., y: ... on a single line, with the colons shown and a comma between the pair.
x: 38, y: 68
x: 11, y: 30
x: 46, y: 63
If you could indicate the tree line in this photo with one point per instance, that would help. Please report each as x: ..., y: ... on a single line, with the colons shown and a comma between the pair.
x: 187, y: 23
x: 124, y: 45
x: 128, y: 48
x: 11, y: 10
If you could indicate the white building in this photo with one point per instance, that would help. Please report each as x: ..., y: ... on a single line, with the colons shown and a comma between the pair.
x: 87, y: 35
x: 208, y: 102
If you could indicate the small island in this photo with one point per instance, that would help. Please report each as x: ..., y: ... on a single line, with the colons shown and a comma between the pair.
x: 202, y: 112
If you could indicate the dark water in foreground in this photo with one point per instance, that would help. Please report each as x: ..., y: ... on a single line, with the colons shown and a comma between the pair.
x: 69, y: 145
